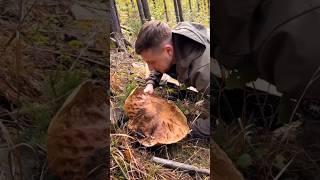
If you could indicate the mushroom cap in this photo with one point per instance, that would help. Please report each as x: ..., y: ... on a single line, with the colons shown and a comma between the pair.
x: 78, y: 131
x: 156, y: 120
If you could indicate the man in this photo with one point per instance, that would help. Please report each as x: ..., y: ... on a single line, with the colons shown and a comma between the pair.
x: 183, y: 53
x: 281, y: 39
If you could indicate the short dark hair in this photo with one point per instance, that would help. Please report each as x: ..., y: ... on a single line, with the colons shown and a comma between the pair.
x: 151, y: 35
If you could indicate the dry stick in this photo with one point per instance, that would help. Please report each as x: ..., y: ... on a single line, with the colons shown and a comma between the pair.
x: 177, y: 165
x: 284, y: 169
x: 94, y: 170
x: 123, y: 135
x: 43, y: 170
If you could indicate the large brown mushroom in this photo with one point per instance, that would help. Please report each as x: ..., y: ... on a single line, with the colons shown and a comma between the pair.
x: 155, y: 120
x: 78, y: 132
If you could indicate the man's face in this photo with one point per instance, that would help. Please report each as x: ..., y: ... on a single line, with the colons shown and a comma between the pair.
x: 159, y: 59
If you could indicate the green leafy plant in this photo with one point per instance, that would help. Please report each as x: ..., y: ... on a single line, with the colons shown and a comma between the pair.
x: 128, y: 89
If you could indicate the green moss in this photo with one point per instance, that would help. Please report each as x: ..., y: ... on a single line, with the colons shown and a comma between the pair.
x: 76, y: 44
x: 40, y: 39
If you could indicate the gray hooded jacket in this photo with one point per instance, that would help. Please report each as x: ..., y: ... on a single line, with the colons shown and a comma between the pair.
x: 191, y: 43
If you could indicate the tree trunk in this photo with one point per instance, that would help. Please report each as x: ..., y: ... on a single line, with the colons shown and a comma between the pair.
x: 108, y: 27
x: 115, y: 24
x: 190, y: 6
x: 132, y: 4
x: 190, y: 11
x: 180, y: 10
x: 165, y: 10
x: 146, y: 10
x: 141, y: 13
x: 116, y: 33
x: 176, y: 10
x: 198, y: 5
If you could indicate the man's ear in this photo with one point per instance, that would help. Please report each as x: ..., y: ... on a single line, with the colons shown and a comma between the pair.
x: 169, y: 49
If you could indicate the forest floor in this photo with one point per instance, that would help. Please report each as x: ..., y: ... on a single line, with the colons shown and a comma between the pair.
x: 130, y: 160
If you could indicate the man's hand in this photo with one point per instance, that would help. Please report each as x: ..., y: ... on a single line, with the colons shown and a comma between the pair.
x: 149, y: 89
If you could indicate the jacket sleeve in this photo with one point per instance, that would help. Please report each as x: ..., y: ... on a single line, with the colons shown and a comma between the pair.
x: 232, y: 28
x: 154, y: 78
x: 200, y: 79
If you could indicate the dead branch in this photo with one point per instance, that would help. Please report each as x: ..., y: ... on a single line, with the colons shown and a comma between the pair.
x: 178, y: 165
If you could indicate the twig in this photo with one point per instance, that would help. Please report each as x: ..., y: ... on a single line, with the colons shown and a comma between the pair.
x: 177, y: 165
x: 95, y: 169
x: 43, y: 170
x: 123, y: 135
x: 284, y: 169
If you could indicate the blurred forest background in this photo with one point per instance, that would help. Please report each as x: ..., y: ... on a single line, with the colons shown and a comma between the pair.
x: 47, y: 48
x: 130, y: 14
x: 129, y: 160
